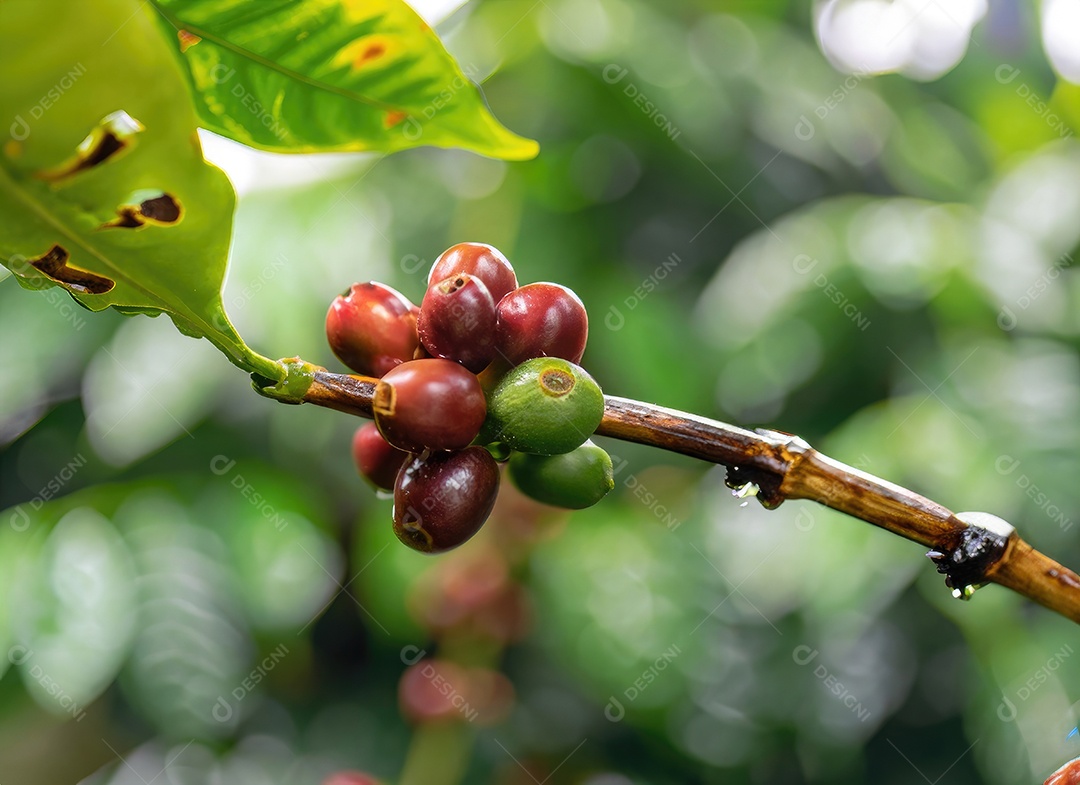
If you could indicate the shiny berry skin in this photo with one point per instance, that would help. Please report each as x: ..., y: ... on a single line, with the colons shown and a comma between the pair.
x: 429, y: 404
x: 376, y: 459
x: 541, y: 320
x: 479, y: 260
x: 545, y: 406
x: 1069, y: 774
x: 442, y: 499
x: 372, y: 328
x: 573, y: 480
x: 457, y: 321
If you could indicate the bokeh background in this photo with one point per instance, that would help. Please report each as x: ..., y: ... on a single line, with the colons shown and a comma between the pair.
x: 763, y: 232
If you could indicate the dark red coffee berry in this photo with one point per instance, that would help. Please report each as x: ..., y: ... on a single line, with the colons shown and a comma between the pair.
x: 442, y: 499
x: 457, y: 321
x: 429, y: 404
x: 479, y: 260
x: 541, y: 320
x: 372, y: 328
x: 377, y: 460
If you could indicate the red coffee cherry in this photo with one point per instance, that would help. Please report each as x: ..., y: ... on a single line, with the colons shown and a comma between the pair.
x: 434, y: 691
x: 372, y: 328
x: 479, y: 260
x: 541, y: 320
x: 437, y: 690
x: 429, y: 404
x: 376, y: 459
x: 1069, y: 774
x: 442, y: 499
x: 457, y: 321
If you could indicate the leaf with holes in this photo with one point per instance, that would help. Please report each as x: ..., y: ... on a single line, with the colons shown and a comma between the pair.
x: 103, y: 187
x: 319, y: 75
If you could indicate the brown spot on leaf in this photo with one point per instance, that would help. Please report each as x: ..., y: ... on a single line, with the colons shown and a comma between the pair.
x: 365, y: 51
x: 111, y: 136
x: 187, y: 39
x: 163, y: 209
x: 371, y: 52
x: 160, y: 210
x: 54, y: 264
x: 394, y: 117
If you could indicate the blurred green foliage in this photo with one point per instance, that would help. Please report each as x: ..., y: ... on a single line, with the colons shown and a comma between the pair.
x: 880, y: 265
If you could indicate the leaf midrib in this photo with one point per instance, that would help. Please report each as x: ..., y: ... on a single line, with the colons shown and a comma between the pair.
x: 41, y: 211
x: 247, y: 54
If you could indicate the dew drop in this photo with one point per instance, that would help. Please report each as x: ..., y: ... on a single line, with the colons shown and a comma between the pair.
x: 745, y: 491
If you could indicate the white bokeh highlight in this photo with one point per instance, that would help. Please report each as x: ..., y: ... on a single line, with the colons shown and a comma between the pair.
x: 1061, y: 36
x: 922, y: 39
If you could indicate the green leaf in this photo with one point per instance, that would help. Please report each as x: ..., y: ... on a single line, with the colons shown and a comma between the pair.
x: 321, y: 75
x: 192, y: 645
x: 1066, y: 100
x: 103, y: 187
x: 73, y: 613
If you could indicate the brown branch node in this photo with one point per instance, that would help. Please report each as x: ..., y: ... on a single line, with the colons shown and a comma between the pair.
x: 980, y: 548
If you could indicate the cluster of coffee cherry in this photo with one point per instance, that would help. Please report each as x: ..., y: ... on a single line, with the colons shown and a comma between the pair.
x: 483, y: 372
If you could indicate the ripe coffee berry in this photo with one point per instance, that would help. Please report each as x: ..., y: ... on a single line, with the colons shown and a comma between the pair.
x: 377, y: 460
x: 457, y: 321
x: 541, y: 320
x: 442, y: 499
x: 1069, y: 774
x: 372, y: 328
x: 429, y: 404
x: 479, y: 260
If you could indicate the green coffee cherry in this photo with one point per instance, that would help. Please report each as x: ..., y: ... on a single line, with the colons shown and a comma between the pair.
x: 574, y: 480
x: 545, y: 406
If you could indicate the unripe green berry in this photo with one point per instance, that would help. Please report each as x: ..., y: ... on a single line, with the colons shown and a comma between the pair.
x: 545, y: 406
x: 574, y: 480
